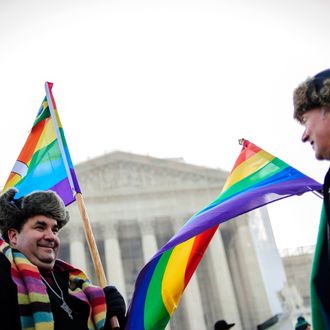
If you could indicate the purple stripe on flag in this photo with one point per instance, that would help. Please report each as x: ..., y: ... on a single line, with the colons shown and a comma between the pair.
x: 75, y: 181
x: 63, y: 189
x: 242, y: 203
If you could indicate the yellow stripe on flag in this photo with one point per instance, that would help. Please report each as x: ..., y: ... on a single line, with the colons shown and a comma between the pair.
x: 250, y: 166
x: 173, y: 280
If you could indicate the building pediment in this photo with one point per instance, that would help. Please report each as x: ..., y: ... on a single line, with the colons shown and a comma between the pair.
x: 119, y: 173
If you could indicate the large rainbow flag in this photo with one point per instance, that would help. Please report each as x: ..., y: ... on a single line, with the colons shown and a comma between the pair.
x: 44, y: 162
x: 257, y: 178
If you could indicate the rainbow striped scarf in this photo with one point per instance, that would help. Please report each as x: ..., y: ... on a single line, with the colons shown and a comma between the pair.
x: 33, y: 301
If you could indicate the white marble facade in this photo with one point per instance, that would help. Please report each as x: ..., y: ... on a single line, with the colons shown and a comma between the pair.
x: 136, y: 203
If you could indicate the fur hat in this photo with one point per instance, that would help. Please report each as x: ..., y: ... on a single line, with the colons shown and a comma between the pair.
x: 312, y: 93
x: 15, y: 212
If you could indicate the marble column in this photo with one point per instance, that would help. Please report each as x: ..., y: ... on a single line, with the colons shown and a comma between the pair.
x: 149, y: 241
x: 113, y: 259
x: 191, y: 298
x: 77, y: 249
x: 254, y: 303
x: 223, y: 284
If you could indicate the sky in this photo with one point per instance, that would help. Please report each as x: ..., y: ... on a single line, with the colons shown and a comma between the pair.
x: 168, y: 79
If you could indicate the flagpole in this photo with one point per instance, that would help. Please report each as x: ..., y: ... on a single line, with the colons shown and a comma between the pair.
x: 91, y: 241
x: 81, y: 205
x: 94, y: 251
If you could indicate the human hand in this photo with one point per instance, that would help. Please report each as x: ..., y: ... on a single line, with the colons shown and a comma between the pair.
x: 115, y: 304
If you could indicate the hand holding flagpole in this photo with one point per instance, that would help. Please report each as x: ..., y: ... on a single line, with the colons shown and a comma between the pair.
x: 94, y: 252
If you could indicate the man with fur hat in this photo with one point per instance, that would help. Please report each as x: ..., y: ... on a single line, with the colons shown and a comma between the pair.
x: 312, y: 110
x: 37, y: 290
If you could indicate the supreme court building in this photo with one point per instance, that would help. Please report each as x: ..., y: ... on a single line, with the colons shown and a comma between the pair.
x: 136, y: 203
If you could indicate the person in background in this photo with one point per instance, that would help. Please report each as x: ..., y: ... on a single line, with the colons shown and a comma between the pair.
x: 37, y: 290
x: 311, y: 101
x: 302, y: 324
x: 222, y: 325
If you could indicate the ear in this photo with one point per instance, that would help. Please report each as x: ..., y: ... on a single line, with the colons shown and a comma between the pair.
x: 12, y: 236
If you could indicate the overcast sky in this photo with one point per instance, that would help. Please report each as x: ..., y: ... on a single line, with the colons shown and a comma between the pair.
x: 168, y: 79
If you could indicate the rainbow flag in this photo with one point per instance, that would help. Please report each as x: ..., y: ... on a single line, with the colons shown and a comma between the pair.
x: 44, y: 162
x: 257, y: 178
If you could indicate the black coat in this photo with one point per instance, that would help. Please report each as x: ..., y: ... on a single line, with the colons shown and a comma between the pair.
x: 9, y: 316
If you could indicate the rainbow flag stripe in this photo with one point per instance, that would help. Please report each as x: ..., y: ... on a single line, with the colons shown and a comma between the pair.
x: 257, y: 178
x: 44, y: 162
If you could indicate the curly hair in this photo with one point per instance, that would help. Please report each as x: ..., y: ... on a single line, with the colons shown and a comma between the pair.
x: 15, y: 212
x: 313, y: 93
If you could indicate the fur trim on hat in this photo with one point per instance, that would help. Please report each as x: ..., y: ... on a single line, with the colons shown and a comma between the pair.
x: 14, y: 213
x: 312, y: 93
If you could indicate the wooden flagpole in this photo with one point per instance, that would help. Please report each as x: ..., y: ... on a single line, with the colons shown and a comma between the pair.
x: 94, y: 251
